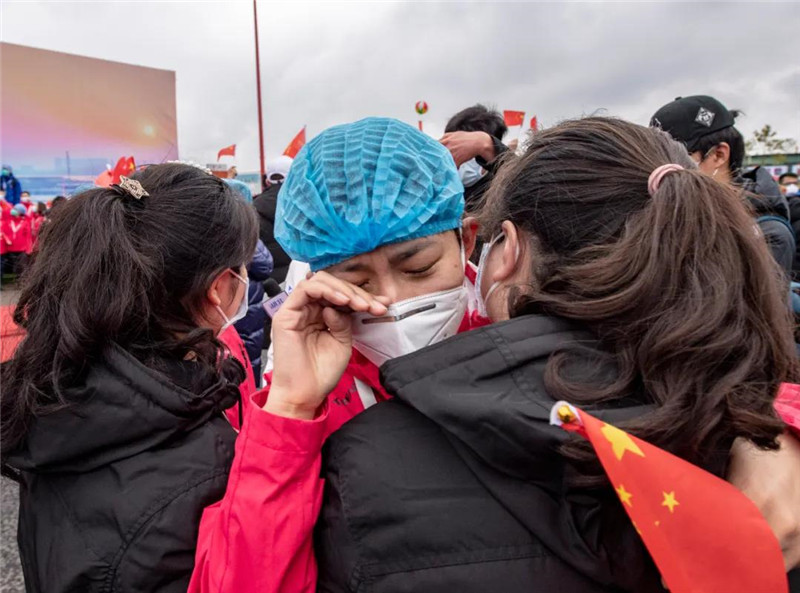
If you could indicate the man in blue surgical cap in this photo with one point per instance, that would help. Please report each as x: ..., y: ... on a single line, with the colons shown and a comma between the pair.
x: 375, y: 208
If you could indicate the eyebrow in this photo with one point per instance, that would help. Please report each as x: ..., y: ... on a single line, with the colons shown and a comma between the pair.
x: 410, y: 251
x: 353, y: 267
x: 401, y: 255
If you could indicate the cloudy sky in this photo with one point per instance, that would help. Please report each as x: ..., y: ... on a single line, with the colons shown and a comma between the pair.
x: 333, y: 62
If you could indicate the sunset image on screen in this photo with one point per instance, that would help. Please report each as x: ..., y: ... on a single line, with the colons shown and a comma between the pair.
x: 65, y: 118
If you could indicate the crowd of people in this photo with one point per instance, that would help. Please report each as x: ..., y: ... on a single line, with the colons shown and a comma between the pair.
x: 20, y: 223
x: 425, y: 303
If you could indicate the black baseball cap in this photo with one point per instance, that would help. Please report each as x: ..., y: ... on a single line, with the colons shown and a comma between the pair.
x: 688, y: 119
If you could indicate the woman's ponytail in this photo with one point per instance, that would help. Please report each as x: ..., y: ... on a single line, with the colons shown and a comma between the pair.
x: 678, y: 286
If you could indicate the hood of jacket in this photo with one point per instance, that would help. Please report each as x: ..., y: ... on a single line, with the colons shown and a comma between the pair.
x: 120, y: 408
x: 766, y: 196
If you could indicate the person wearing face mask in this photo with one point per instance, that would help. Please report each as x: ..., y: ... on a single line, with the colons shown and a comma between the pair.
x: 707, y: 128
x: 476, y: 135
x: 788, y: 183
x: 375, y: 208
x: 460, y: 482
x: 113, y: 404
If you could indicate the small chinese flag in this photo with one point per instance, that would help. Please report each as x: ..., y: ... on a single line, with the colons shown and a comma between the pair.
x: 697, y: 527
x: 125, y: 166
x: 534, y: 123
x: 296, y: 144
x: 227, y: 151
x: 514, y: 118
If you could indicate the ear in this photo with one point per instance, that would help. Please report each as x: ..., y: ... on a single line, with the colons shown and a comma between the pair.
x: 216, y: 289
x: 469, y: 234
x: 721, y: 155
x: 508, y: 256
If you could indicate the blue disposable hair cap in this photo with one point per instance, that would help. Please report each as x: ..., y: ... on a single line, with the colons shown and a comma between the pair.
x: 359, y: 186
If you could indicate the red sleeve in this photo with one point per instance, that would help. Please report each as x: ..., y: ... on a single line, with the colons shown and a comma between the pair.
x: 230, y: 337
x: 258, y: 538
x: 787, y: 405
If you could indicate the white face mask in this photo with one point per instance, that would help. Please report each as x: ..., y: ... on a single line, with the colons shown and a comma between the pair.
x: 412, y: 324
x: 792, y: 189
x: 241, y: 312
x: 487, y: 248
x: 470, y: 173
x: 409, y: 325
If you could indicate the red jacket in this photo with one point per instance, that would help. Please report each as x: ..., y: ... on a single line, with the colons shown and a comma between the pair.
x: 16, y: 234
x: 230, y: 337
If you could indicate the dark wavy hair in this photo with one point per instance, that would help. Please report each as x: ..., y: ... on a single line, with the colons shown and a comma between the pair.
x: 113, y: 269
x: 478, y: 118
x: 678, y: 287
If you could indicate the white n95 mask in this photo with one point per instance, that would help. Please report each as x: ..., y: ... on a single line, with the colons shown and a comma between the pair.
x: 409, y: 325
x: 470, y: 173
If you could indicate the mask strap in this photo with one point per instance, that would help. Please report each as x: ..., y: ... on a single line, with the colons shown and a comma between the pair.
x: 239, y: 277
x: 219, y: 309
x: 496, y: 285
x: 225, y: 317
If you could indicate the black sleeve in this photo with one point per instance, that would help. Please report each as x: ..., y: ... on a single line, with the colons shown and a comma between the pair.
x: 499, y: 149
x: 781, y: 243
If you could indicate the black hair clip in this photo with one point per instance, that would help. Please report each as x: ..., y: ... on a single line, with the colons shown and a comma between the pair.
x: 130, y: 187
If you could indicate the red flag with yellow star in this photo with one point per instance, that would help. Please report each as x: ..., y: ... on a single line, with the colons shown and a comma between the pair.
x: 703, y: 534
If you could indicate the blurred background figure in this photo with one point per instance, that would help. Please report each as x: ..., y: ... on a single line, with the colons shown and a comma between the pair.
x: 10, y: 185
x: 490, y: 129
x: 265, y: 204
x: 788, y: 184
x: 707, y: 128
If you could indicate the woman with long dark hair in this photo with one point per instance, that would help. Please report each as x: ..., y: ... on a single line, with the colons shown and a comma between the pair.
x: 112, y: 407
x: 627, y: 282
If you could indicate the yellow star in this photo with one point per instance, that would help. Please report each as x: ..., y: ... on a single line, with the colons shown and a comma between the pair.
x: 669, y: 501
x: 620, y: 441
x: 624, y: 495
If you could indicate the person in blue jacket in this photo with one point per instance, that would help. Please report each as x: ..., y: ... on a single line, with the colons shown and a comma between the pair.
x: 10, y: 185
x: 251, y: 326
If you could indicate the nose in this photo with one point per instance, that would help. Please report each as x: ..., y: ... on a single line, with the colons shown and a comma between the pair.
x: 390, y: 290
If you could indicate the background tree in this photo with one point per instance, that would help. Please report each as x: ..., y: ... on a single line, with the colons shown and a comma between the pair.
x: 766, y: 141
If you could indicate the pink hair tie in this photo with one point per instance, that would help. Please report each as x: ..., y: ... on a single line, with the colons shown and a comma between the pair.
x: 658, y: 174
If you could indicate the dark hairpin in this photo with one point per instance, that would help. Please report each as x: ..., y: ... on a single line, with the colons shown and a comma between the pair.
x: 130, y: 187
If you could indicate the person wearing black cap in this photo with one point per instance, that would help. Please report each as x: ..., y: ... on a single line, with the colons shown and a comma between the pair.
x: 707, y: 128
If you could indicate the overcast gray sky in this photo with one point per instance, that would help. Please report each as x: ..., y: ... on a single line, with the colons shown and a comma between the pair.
x: 333, y: 62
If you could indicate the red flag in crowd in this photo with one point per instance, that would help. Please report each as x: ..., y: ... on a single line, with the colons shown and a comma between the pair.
x: 534, y: 123
x: 296, y: 144
x: 227, y: 151
x: 696, y: 526
x: 125, y: 166
x: 514, y: 118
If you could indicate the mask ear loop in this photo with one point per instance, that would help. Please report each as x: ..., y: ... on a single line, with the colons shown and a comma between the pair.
x: 496, y: 285
x: 219, y: 309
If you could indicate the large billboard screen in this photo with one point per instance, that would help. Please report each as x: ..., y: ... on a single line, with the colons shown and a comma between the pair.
x: 64, y: 118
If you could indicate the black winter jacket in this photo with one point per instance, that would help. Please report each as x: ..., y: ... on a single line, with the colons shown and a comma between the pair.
x: 113, y: 487
x: 766, y: 199
x: 265, y: 204
x: 457, y: 485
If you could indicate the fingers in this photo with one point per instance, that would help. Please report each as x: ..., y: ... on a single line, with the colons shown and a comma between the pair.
x: 338, y: 324
x: 328, y: 290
